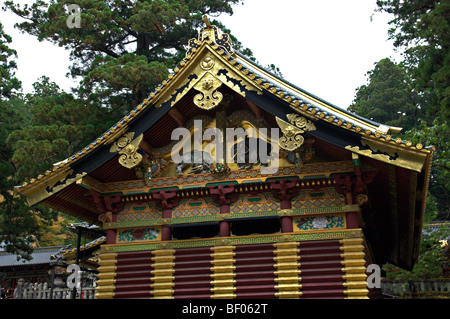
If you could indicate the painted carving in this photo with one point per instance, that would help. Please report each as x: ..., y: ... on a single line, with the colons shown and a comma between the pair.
x: 130, y: 156
x: 140, y: 234
x: 301, y: 122
x: 210, y: 34
x: 209, y: 97
x: 220, y: 169
x: 200, y: 161
x: 319, y: 222
x: 242, y: 149
x: 122, y: 142
x: 292, y: 138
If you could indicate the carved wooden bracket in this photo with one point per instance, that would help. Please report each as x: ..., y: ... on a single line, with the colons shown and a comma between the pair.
x: 130, y: 157
x: 292, y: 138
x: 223, y: 194
x: 353, y: 183
x: 107, y: 203
x: 284, y: 189
x: 166, y: 199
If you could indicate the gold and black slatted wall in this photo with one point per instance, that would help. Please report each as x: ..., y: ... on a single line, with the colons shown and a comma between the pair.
x: 304, y: 269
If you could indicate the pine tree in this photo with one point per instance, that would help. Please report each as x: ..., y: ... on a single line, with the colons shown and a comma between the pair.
x: 421, y: 29
x: 120, y: 52
x: 122, y: 49
x: 17, y: 223
x: 59, y: 125
x: 388, y: 97
x: 25, y: 134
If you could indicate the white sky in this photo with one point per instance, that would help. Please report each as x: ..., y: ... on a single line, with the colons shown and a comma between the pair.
x: 323, y: 46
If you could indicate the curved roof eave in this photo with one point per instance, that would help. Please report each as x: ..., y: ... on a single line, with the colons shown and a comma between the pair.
x: 311, y: 98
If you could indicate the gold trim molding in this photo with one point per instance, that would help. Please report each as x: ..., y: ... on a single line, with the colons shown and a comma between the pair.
x: 292, y: 138
x: 392, y: 154
x: 223, y: 272
x: 209, y: 97
x: 354, y: 268
x: 130, y: 157
x: 107, y: 274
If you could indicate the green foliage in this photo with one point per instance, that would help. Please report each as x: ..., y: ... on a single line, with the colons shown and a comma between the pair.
x: 275, y: 70
x: 388, y: 97
x: 121, y: 52
x: 57, y: 232
x: 422, y: 28
x: 123, y: 49
x: 429, y: 265
x: 17, y: 224
x: 59, y: 126
x: 437, y: 135
x: 36, y: 130
x: 8, y: 82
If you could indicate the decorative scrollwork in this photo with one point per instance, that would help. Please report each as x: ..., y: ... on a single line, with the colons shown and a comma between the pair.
x: 301, y: 122
x: 210, y: 34
x: 122, y: 142
x: 209, y: 97
x: 130, y: 157
x: 292, y: 138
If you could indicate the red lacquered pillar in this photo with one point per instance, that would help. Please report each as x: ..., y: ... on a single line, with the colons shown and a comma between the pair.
x: 224, y: 195
x: 166, y: 199
x: 285, y: 190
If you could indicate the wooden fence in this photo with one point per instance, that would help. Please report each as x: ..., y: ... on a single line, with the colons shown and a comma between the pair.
x: 43, y: 291
x: 435, y: 288
x: 390, y: 289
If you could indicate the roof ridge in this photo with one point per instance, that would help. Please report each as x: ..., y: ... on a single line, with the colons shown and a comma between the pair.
x: 306, y: 92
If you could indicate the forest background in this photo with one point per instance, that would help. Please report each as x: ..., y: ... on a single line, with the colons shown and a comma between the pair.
x: 126, y: 48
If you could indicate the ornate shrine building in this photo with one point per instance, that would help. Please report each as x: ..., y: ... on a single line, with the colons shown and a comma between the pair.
x: 312, y: 195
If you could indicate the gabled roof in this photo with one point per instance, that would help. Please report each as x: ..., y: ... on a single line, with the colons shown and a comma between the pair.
x: 260, y: 80
x: 39, y: 256
x: 404, y: 167
x: 70, y: 252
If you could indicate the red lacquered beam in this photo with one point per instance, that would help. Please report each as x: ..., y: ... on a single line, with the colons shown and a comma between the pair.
x: 192, y: 291
x: 189, y: 278
x: 317, y: 294
x: 136, y: 261
x: 255, y: 274
x: 334, y: 277
x: 192, y: 276
x: 133, y: 274
x: 255, y: 295
x: 132, y: 294
x: 135, y: 254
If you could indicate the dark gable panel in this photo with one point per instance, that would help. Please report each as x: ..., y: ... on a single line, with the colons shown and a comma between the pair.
x: 325, y: 131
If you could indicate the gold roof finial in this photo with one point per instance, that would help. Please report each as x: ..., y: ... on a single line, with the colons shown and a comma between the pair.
x: 212, y: 35
x: 205, y: 19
